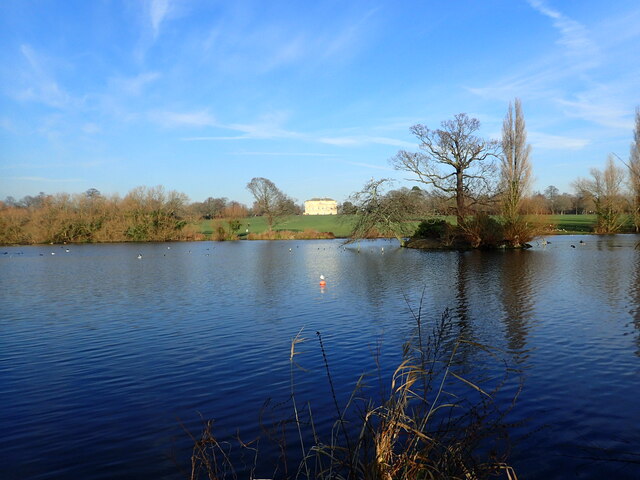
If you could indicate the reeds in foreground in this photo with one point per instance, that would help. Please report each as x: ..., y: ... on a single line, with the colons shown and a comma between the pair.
x: 434, y: 423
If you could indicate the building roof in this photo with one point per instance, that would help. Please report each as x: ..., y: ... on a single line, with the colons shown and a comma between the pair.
x: 321, y: 200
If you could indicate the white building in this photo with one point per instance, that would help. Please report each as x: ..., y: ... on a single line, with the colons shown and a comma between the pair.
x: 321, y: 206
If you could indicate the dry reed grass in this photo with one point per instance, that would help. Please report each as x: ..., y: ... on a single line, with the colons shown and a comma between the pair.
x: 434, y: 423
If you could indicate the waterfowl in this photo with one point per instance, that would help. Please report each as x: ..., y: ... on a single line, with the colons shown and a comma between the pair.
x: 139, y: 256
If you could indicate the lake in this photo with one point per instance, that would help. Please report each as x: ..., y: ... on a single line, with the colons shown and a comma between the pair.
x: 107, y: 359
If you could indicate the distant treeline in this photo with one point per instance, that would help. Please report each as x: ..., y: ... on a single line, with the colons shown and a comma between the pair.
x: 143, y: 215
x: 156, y: 215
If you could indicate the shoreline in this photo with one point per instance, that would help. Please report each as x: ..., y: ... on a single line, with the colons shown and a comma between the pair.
x: 244, y: 238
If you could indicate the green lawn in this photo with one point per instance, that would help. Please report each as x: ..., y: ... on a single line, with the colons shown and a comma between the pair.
x: 340, y: 225
x: 571, y: 223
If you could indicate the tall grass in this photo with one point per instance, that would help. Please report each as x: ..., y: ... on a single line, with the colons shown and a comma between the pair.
x: 433, y: 422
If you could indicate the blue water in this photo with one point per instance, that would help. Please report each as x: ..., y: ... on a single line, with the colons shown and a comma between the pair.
x: 106, y: 360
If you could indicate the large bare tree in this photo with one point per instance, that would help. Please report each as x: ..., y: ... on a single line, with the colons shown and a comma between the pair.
x: 515, y: 167
x: 605, y: 189
x: 453, y: 160
x: 269, y: 200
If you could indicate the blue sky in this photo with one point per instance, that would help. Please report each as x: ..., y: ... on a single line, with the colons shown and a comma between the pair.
x: 201, y: 96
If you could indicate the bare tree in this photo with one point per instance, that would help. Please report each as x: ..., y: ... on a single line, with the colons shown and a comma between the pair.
x: 634, y: 172
x: 551, y: 193
x: 467, y: 160
x: 515, y: 168
x: 605, y: 189
x: 269, y: 200
x: 379, y: 213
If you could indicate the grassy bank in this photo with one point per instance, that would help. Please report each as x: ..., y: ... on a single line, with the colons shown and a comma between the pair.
x: 341, y: 225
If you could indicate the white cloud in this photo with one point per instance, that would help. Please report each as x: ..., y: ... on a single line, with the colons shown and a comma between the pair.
x: 285, y: 154
x: 45, y: 179
x: 158, y: 10
x: 91, y: 128
x: 368, y: 165
x: 181, y: 119
x: 358, y: 140
x: 134, y: 85
x: 213, y: 138
x: 573, y: 35
x: 556, y: 142
x: 42, y: 87
x: 600, y: 105
x: 7, y: 124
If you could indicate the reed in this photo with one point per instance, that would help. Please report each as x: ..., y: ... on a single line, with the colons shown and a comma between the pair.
x: 434, y: 422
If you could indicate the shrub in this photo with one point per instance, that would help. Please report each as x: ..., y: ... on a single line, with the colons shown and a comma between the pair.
x: 521, y: 231
x: 432, y: 228
x: 483, y: 231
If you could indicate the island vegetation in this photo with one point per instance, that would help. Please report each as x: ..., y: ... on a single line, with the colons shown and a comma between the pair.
x: 468, y: 192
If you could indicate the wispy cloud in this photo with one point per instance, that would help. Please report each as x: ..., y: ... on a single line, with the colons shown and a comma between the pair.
x: 158, y: 10
x: 134, y: 85
x: 243, y: 42
x: 369, y: 165
x: 267, y: 127
x: 49, y: 180
x: 567, y: 80
x: 181, y: 119
x: 359, y: 140
x: 7, y: 124
x: 91, y: 128
x: 41, y: 85
x: 573, y: 35
x: 213, y: 138
x: 285, y: 154
x: 601, y: 104
x: 70, y: 164
x: 347, y: 40
x: 556, y: 142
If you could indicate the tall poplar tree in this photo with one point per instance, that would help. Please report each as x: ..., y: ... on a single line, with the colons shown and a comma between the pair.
x: 515, y: 167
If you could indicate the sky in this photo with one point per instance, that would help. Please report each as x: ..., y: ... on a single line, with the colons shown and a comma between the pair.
x: 200, y: 96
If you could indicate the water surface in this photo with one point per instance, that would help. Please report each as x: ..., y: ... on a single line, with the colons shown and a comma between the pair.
x: 104, y: 357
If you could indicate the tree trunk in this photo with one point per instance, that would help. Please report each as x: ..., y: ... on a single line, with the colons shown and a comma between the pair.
x: 460, y: 198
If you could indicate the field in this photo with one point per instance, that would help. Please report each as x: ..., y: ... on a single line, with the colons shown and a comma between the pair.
x: 340, y: 225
